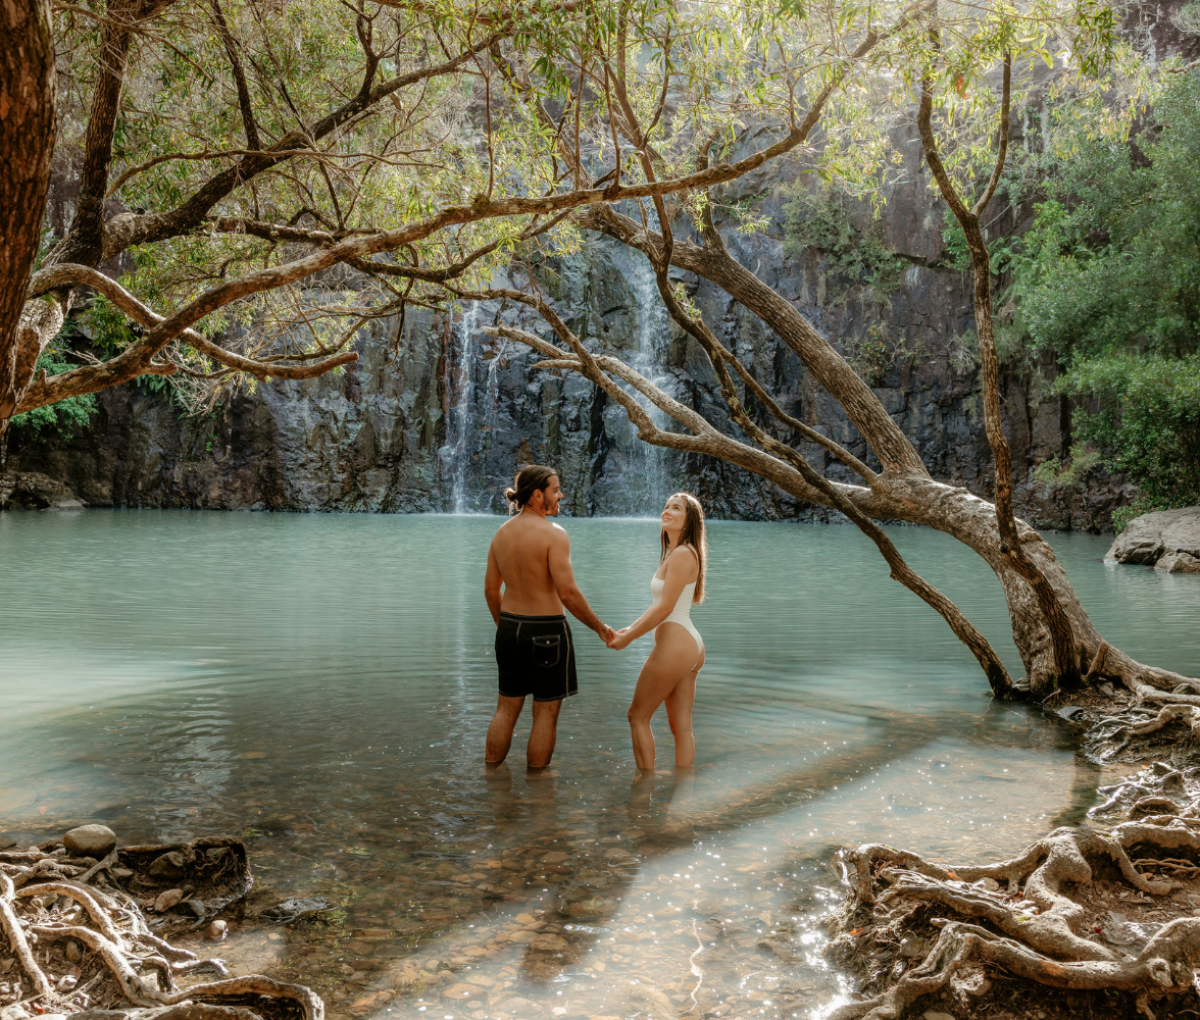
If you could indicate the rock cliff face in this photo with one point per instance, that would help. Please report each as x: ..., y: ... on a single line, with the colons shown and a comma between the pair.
x: 432, y: 426
x: 435, y: 427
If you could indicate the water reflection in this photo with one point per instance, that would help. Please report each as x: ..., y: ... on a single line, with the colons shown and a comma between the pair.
x: 323, y: 684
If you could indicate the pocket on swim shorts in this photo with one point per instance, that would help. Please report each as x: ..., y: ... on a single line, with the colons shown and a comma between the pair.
x: 547, y: 650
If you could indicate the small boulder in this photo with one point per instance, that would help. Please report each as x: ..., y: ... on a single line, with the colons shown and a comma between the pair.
x: 216, y: 931
x: 1147, y: 539
x: 166, y: 900
x: 297, y: 907
x: 1178, y: 562
x: 169, y: 865
x: 547, y: 942
x: 96, y: 841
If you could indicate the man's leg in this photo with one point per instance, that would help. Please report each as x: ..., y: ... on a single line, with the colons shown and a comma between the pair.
x: 543, y: 734
x: 499, y: 734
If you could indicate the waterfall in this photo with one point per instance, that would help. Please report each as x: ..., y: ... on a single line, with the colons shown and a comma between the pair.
x: 460, y: 399
x: 653, y: 337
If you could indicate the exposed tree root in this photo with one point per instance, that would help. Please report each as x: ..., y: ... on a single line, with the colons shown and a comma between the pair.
x: 79, y: 946
x: 916, y: 933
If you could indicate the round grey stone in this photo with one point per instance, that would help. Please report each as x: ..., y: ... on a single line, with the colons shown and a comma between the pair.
x: 90, y: 841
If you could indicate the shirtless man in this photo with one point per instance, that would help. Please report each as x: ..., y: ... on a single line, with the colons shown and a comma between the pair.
x: 531, y: 558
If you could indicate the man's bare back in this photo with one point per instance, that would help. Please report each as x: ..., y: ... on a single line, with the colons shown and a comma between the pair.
x: 529, y: 581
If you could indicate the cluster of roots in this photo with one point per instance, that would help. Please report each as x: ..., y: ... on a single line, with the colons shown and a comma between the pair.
x: 73, y: 940
x: 1095, y: 920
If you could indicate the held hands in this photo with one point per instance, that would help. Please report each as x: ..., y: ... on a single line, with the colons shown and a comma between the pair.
x: 621, y: 639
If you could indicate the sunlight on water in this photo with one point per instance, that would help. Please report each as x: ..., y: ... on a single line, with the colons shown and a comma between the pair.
x: 321, y: 684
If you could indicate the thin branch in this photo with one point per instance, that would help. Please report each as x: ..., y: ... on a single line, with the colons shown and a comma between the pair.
x: 239, y: 76
x: 998, y: 169
x: 72, y: 275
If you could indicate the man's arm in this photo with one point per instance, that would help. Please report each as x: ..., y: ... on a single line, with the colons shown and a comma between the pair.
x: 564, y: 583
x: 491, y: 585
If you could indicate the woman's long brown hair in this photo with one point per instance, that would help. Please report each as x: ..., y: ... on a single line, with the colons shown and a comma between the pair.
x: 693, y: 535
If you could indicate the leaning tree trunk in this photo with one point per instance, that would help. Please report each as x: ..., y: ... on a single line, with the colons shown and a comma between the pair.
x: 27, y: 107
x: 904, y: 490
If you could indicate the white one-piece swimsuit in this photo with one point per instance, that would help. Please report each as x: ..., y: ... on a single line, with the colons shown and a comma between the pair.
x: 682, y: 613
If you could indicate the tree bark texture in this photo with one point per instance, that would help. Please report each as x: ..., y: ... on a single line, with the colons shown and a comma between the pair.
x: 27, y: 110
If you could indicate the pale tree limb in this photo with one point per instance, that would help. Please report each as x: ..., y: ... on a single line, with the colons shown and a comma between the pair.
x: 71, y: 275
x: 720, y: 358
x: 16, y: 938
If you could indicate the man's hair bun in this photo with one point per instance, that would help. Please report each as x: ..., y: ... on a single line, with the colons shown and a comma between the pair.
x: 530, y: 479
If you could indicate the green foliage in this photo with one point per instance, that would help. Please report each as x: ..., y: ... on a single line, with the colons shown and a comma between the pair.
x: 107, y: 325
x: 64, y: 416
x: 1068, y: 473
x: 1108, y: 280
x: 1145, y: 414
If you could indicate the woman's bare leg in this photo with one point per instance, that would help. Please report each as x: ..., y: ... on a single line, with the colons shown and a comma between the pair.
x: 672, y: 661
x: 679, y: 714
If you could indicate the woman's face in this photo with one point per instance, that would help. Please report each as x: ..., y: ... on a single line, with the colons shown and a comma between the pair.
x: 674, y: 515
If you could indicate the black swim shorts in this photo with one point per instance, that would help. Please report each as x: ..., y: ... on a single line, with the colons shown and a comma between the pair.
x: 535, y: 655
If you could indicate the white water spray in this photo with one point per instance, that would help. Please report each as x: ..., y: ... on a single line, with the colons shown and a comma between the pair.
x: 649, y: 360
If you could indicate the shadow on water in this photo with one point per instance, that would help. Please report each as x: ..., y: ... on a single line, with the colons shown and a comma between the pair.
x: 322, y: 685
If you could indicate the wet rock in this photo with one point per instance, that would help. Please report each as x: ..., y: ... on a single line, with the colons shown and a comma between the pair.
x: 547, y: 942
x: 169, y: 866
x: 195, y: 907
x: 297, y: 907
x: 216, y: 931
x: 166, y: 900
x: 96, y: 841
x: 33, y: 490
x: 1178, y: 563
x: 780, y: 949
x: 1147, y: 539
x: 520, y: 1007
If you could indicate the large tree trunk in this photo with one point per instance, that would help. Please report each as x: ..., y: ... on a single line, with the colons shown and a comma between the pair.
x: 904, y: 490
x: 27, y: 108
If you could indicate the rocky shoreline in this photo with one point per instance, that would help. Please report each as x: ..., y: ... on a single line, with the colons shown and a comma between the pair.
x: 92, y: 931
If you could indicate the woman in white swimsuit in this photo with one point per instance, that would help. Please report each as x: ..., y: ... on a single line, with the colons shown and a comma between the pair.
x: 669, y: 674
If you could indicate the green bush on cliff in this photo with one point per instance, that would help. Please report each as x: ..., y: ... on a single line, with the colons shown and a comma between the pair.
x: 1108, y: 279
x: 63, y: 416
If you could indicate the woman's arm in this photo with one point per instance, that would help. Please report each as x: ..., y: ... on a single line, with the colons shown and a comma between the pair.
x: 682, y: 569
